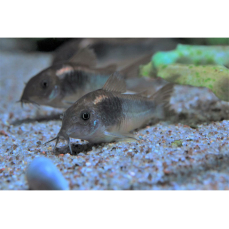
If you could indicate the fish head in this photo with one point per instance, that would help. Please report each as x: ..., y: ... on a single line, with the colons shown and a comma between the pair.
x: 42, y: 88
x: 79, y: 121
x: 82, y: 120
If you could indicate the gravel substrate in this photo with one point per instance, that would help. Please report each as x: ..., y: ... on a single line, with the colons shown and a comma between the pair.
x: 190, y: 150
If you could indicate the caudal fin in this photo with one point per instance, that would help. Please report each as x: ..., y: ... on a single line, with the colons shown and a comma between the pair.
x: 132, y: 70
x: 162, y: 99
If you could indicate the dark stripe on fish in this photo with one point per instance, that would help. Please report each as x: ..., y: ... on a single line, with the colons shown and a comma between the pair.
x: 110, y: 108
x: 73, y: 80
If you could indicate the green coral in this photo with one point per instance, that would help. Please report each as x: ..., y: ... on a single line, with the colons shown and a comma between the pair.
x: 145, y: 70
x: 193, y: 54
x: 214, y: 77
x: 200, y: 66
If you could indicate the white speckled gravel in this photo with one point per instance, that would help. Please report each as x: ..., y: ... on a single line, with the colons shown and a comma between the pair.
x: 170, y: 155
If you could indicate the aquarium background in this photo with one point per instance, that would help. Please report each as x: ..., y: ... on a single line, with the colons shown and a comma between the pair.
x: 188, y: 150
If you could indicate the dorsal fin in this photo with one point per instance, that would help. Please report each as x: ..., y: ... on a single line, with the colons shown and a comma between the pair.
x: 85, y: 56
x: 115, y: 83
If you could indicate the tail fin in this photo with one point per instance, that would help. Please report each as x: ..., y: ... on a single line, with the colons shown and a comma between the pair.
x: 132, y: 70
x: 162, y: 99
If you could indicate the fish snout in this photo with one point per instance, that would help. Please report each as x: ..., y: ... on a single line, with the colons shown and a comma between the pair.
x: 63, y: 135
x: 23, y: 99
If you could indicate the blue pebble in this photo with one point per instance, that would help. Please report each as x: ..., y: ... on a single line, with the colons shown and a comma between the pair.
x: 42, y: 174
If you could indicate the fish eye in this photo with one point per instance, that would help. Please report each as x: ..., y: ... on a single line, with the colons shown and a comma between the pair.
x: 44, y: 84
x: 85, y: 115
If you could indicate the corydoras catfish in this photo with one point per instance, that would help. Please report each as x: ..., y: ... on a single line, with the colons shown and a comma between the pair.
x: 107, y: 114
x: 63, y: 83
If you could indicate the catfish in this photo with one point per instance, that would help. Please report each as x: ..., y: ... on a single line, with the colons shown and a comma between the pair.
x: 108, y: 114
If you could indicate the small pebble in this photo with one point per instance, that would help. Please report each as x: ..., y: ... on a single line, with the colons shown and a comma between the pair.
x: 42, y: 174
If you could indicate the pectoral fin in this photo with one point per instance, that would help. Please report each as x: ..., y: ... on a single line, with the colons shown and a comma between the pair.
x: 144, y: 93
x: 121, y: 136
x: 68, y: 102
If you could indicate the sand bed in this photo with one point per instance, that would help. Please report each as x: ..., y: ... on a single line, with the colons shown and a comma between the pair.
x: 188, y: 151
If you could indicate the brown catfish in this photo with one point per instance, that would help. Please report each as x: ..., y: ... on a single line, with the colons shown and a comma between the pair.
x: 66, y: 81
x: 107, y: 114
x: 63, y: 83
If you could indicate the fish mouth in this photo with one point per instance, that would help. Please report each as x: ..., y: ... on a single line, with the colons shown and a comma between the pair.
x: 62, y: 135
x: 24, y: 101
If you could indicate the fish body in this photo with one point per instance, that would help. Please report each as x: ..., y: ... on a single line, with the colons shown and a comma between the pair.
x: 107, y: 114
x: 65, y: 82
